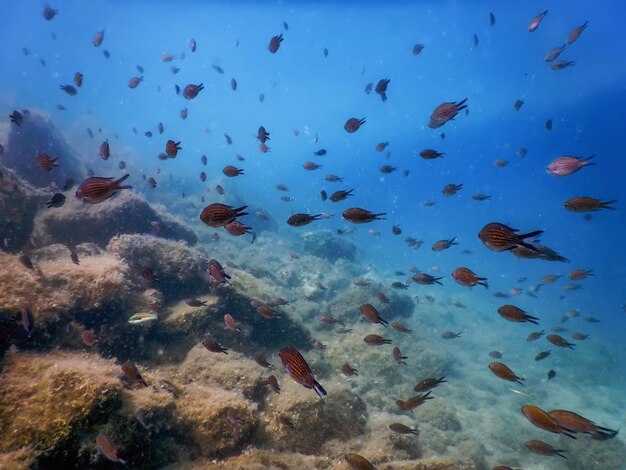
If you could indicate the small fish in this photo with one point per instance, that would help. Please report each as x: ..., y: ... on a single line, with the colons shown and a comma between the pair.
x: 132, y: 373
x: 587, y: 204
x: 576, y: 32
x: 445, y: 112
x: 98, y: 189
x: 534, y: 24
x: 108, y: 449
x: 214, y: 346
x: 191, y: 91
x: 141, y: 318
x: 17, y: 118
x: 492, y: 19
x: 275, y: 43
x: 56, y: 201
x: 358, y: 462
x: 25, y: 317
x: 551, y: 374
x: 298, y: 369
x: 402, y: 429
x: 353, y: 124
x: 417, y: 48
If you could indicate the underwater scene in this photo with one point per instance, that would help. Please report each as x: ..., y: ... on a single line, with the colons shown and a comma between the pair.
x: 312, y: 235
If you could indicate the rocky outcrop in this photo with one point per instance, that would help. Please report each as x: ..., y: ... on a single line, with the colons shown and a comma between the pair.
x: 126, y: 213
x: 328, y: 246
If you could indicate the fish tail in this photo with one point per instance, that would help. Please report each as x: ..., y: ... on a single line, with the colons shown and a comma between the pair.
x: 605, y: 205
x: 585, y: 160
x: 483, y: 283
x: 530, y: 234
x: 606, y: 431
x: 119, y: 182
x: 383, y: 322
x: 533, y: 320
x: 559, y: 453
x: 319, y: 389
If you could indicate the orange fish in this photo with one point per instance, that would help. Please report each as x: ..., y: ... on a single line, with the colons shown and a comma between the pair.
x: 514, y: 314
x: 358, y: 462
x: 109, y: 450
x: 105, y: 150
x: 97, y: 189
x: 502, y: 371
x: 577, y: 423
x: 443, y: 244
x: 172, y: 148
x: 445, y: 112
x: 213, y: 346
x: 431, y: 154
x: 499, y: 237
x: 558, y: 340
x: 587, y: 204
x: 78, y: 79
x: 451, y: 189
x: 191, y: 91
x: 232, y: 171
x: 298, y: 369
x: 218, y: 215
x: 543, y: 448
x: 274, y: 44
x: 576, y: 32
x: 467, y: 277
x: 544, y: 421
x: 534, y: 24
x: 98, y: 38
x: 132, y: 373
x: 397, y: 356
x: 348, y: 370
x: 580, y: 274
x: 411, y: 403
x: 428, y: 384
x: 371, y: 315
x: 134, y: 82
x: 45, y: 162
x: 353, y: 124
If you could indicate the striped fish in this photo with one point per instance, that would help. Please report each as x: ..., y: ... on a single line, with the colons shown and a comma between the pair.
x: 370, y: 314
x: 97, y: 189
x: 299, y: 370
x: 139, y: 318
x: 467, y: 277
x: 445, y: 112
x: 544, y: 421
x: 499, y: 237
x: 218, y: 215
x: 217, y: 275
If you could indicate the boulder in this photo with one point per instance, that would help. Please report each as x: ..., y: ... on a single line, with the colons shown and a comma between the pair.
x: 328, y: 246
x: 19, y: 203
x: 126, y: 213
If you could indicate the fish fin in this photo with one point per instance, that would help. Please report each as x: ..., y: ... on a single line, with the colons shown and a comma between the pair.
x: 319, y: 389
x: 529, y: 246
x: 605, y: 205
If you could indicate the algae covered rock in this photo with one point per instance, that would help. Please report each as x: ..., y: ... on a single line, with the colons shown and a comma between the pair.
x: 257, y: 459
x: 19, y: 203
x: 325, y: 244
x: 77, y: 222
x: 44, y: 400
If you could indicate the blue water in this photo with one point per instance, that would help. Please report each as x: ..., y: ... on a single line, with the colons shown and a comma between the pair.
x: 304, y: 91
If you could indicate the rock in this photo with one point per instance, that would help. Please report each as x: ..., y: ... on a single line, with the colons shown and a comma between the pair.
x: 340, y: 415
x: 257, y: 459
x: 19, y: 203
x: 212, y: 433
x: 175, y: 263
x: 58, y: 288
x: 325, y: 244
x: 126, y: 213
x: 45, y: 400
x: 38, y: 134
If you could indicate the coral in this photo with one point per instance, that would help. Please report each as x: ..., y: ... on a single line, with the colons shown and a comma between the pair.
x: 19, y: 203
x: 324, y: 244
x: 45, y: 398
x: 77, y: 222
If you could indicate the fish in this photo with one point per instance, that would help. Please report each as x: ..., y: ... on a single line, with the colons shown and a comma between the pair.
x: 443, y: 244
x: 411, y: 403
x: 587, y: 204
x: 78, y: 79
x: 576, y: 32
x: 27, y: 320
x: 49, y: 13
x: 353, y: 124
x: 426, y: 279
x: 580, y: 274
x: 368, y: 88
x: 515, y: 314
x: 45, y: 162
x: 340, y: 195
x: 358, y: 462
x: 17, y: 118
x: 56, y: 201
x: 219, y: 215
x: 402, y: 429
x: 417, y: 48
x: 450, y: 334
x: 502, y: 371
x: 96, y: 189
x: 431, y: 154
x: 495, y: 354
x: 194, y: 302
x: 273, y: 384
x: 216, y: 273
x: 301, y: 219
x: 559, y: 341
x: 69, y: 89
x: 142, y: 317
x: 475, y: 41
x: 132, y: 374
x: 348, y: 371
x: 311, y: 166
x: 214, y: 346
x: 535, y: 335
x: 578, y: 423
x: 445, y: 112
x: 108, y: 449
x: 543, y: 448
x: 229, y: 140
x: 105, y: 150
x: 518, y: 105
x: 260, y: 359
x: 191, y: 91
x: 451, y: 189
x: 386, y: 169
x: 98, y: 38
x: 500, y: 237
x: 74, y: 257
x: 89, y: 338
x: 565, y: 166
x: 543, y: 420
x: 551, y: 374
x: 466, y: 277
x: 492, y: 19
x: 376, y: 340
x: 534, y: 24
x: 298, y: 369
x: 361, y: 216
x: 232, y: 171
x: 371, y: 315
x: 275, y: 43
x: 554, y: 53
x: 561, y: 64
x: 429, y: 383
x: 401, y: 327
x: 381, y: 88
